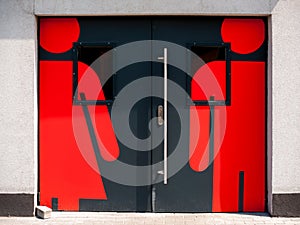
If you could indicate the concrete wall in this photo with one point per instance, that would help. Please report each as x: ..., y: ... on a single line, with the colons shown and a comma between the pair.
x: 17, y: 134
x: 286, y: 96
x: 285, y: 49
x: 17, y: 59
x: 154, y: 7
x: 18, y: 115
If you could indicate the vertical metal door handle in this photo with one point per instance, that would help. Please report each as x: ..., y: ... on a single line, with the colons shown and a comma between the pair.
x: 165, y: 113
x: 166, y: 116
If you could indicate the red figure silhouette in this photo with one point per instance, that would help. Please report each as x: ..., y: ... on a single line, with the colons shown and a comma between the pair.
x: 68, y: 172
x: 243, y: 147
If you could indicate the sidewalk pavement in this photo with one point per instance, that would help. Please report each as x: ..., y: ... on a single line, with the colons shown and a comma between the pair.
x: 70, y: 218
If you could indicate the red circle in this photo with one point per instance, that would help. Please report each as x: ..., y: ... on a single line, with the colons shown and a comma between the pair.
x: 58, y: 34
x: 245, y: 35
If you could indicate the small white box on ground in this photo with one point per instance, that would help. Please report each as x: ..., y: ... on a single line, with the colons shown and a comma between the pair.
x: 43, y: 212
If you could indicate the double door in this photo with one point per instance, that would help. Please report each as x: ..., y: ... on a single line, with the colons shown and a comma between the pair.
x: 150, y: 113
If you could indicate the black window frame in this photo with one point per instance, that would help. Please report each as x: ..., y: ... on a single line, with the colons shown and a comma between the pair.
x: 76, y: 46
x: 227, y: 101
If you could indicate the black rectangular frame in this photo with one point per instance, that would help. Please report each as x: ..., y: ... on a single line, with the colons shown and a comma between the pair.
x: 227, y: 101
x: 76, y: 101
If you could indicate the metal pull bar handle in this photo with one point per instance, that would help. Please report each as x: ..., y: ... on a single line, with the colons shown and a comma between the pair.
x: 165, y: 115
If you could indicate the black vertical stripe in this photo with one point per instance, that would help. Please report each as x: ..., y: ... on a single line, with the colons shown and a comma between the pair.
x: 241, y: 191
x: 55, y: 204
x: 211, y: 130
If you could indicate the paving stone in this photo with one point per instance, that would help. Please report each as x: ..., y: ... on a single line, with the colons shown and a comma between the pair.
x: 59, y: 218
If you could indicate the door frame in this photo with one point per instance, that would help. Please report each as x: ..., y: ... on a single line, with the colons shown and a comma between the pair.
x: 267, y: 121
